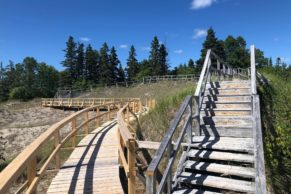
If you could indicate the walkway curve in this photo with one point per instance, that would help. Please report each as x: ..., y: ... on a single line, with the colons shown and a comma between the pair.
x: 93, y: 165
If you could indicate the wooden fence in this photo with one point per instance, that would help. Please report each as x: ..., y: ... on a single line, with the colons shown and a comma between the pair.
x: 81, y: 102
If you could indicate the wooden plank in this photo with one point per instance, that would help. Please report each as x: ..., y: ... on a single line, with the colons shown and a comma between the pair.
x: 223, y: 143
x: 223, y: 169
x: 217, y: 182
x: 224, y: 156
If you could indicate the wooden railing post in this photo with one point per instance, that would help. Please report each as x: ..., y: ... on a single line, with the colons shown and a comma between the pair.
x: 31, y: 172
x: 151, y: 183
x: 218, y: 69
x: 108, y: 113
x: 253, y: 70
x: 131, y: 166
x: 189, y: 129
x: 169, y: 179
x: 57, y: 142
x: 74, y: 125
x: 197, y: 113
x: 86, y: 118
x: 98, y: 118
x: 127, y: 114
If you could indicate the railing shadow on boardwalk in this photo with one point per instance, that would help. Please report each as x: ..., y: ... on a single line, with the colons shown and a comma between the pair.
x: 88, y: 185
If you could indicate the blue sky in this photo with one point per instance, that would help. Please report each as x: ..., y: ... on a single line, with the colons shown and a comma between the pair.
x: 40, y: 28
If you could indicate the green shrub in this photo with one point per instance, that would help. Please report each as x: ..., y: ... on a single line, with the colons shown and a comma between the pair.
x: 19, y: 93
x: 276, y: 122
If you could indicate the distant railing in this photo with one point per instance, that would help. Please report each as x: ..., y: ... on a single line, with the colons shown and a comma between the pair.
x: 186, y: 77
x: 26, y: 162
x: 81, y: 102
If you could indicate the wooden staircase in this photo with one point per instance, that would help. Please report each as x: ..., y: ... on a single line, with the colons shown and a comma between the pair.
x: 219, y: 128
x: 221, y: 157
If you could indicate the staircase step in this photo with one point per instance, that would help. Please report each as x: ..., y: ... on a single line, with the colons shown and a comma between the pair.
x: 227, y: 98
x: 223, y: 156
x: 223, y: 169
x: 229, y: 84
x: 225, y: 112
x: 192, y: 191
x: 223, y: 143
x: 226, y: 105
x: 217, y: 182
x: 226, y: 120
x: 227, y: 130
x: 228, y: 91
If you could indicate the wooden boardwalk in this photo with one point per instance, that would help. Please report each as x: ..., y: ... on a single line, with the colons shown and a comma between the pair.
x: 93, y: 165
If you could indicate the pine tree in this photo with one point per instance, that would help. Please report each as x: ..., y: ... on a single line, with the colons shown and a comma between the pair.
x: 154, y: 58
x: 163, y: 63
x: 132, y: 64
x: 80, y: 61
x: 211, y: 42
x: 70, y: 60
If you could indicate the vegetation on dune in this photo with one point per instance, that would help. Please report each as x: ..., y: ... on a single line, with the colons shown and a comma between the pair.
x: 155, y: 124
x: 276, y: 122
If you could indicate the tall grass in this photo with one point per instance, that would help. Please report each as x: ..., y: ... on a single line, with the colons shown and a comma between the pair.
x: 155, y: 124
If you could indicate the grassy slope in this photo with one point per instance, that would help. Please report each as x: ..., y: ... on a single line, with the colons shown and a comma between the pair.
x: 276, y: 122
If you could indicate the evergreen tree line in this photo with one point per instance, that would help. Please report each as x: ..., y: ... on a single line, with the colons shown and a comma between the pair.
x: 89, y: 66
x: 231, y: 50
x: 86, y: 66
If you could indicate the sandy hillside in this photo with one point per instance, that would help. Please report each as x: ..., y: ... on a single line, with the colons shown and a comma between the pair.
x: 21, y: 127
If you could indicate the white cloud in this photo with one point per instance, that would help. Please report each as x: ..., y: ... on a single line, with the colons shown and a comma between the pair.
x: 85, y: 39
x: 199, y: 33
x: 123, y: 46
x: 200, y: 4
x: 145, y: 48
x: 179, y: 51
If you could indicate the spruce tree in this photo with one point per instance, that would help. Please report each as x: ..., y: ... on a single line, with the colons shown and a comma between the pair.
x: 70, y: 61
x: 105, y: 73
x: 91, y: 71
x: 163, y: 63
x: 113, y: 65
x: 80, y: 61
x: 154, y: 58
x: 132, y: 64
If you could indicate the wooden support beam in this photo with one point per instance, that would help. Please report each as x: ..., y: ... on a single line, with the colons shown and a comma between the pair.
x: 74, y: 125
x: 31, y: 172
x: 86, y: 117
x: 56, y: 143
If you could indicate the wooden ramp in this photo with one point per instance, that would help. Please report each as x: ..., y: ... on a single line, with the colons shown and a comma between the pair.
x: 93, y: 165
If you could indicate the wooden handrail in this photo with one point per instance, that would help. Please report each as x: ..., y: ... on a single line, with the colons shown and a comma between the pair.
x: 127, y: 143
x: 166, y: 145
x: 27, y: 158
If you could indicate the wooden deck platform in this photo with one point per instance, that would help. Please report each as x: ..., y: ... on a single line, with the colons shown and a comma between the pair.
x: 93, y: 165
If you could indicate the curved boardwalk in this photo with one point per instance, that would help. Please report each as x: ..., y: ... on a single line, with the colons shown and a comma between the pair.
x: 93, y: 165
